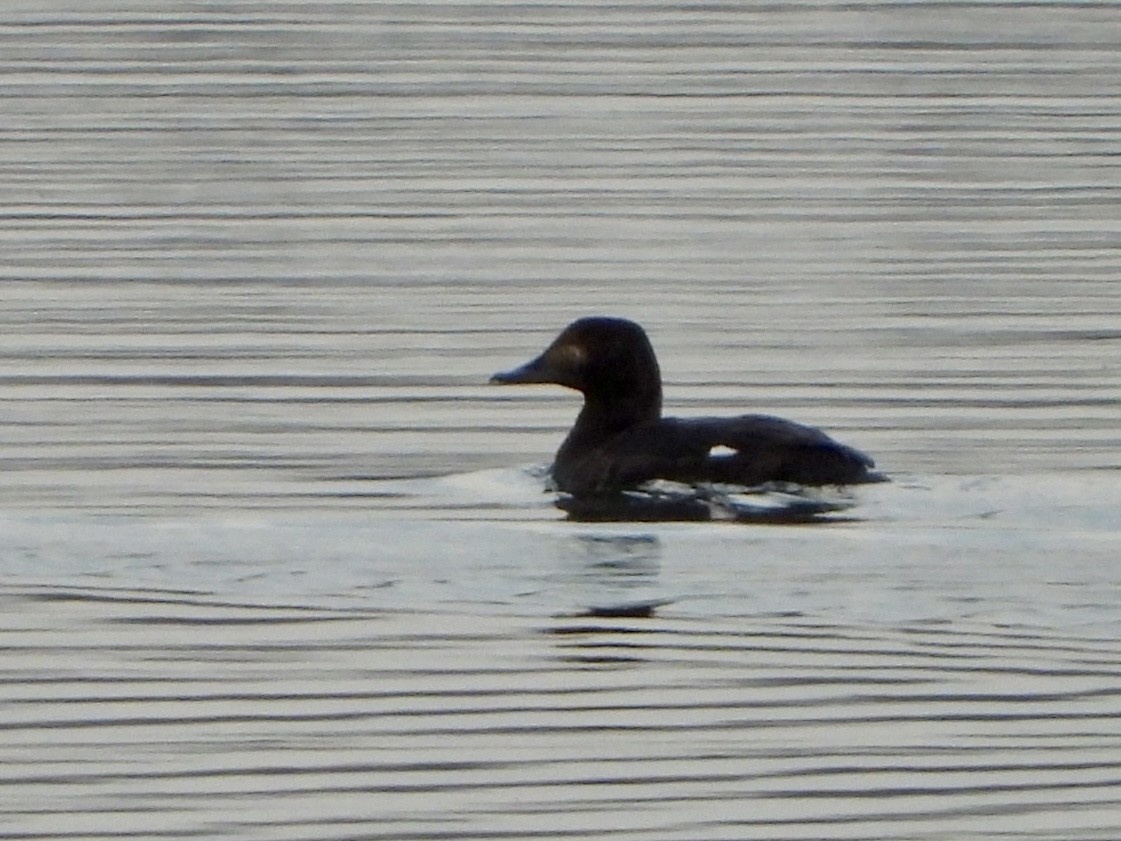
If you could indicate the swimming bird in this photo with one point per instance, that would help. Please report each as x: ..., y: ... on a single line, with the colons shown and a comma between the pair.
x: 620, y: 439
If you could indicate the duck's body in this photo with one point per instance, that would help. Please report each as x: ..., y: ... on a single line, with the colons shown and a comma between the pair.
x: 620, y: 440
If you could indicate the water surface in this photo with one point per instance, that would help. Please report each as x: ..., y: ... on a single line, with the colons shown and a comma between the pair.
x: 274, y: 559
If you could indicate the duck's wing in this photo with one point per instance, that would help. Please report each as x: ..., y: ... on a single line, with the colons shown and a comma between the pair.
x: 746, y: 450
x: 754, y: 449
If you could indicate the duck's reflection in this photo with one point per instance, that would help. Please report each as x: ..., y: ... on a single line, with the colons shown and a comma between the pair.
x: 606, y: 561
x: 618, y: 574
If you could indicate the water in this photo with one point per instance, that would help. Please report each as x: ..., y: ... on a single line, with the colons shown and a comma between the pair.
x: 274, y: 561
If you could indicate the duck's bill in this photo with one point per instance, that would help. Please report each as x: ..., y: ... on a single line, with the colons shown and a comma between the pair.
x: 534, y: 371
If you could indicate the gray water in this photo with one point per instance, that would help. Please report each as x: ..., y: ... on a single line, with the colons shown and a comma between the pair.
x: 275, y: 562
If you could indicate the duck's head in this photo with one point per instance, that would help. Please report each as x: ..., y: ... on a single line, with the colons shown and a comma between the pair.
x: 609, y: 360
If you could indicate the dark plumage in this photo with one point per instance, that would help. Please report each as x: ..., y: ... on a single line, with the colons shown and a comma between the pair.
x: 620, y: 439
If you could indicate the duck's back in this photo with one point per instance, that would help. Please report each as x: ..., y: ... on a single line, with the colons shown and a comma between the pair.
x: 745, y: 450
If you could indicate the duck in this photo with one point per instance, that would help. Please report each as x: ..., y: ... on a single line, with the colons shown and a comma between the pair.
x: 621, y: 440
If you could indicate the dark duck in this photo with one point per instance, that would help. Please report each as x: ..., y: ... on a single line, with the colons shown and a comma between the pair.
x: 621, y: 441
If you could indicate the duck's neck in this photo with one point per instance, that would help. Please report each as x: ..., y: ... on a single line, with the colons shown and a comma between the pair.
x: 602, y: 419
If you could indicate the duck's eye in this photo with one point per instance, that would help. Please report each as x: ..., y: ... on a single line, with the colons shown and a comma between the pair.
x: 570, y: 356
x: 721, y: 451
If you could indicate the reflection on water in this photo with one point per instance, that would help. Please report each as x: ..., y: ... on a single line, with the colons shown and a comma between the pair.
x: 617, y: 569
x: 270, y: 563
x: 619, y: 557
